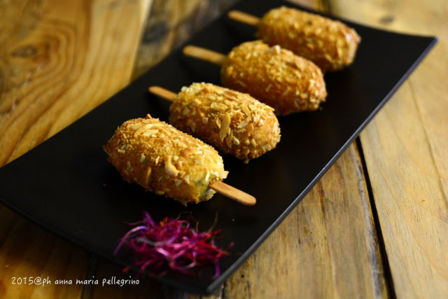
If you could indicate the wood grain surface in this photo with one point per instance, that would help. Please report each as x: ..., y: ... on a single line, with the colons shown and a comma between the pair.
x: 64, y: 60
x: 374, y: 226
x: 58, y: 60
x: 326, y: 248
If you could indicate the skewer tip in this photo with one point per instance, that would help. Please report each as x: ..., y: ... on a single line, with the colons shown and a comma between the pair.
x: 204, y: 54
x: 243, y: 17
x: 233, y: 193
x: 162, y: 92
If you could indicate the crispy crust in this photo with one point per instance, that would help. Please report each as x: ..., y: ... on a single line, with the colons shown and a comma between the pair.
x: 275, y: 76
x: 232, y: 121
x: 330, y: 44
x: 162, y: 159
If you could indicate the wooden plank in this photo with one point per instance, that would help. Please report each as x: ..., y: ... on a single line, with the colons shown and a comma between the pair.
x: 171, y: 23
x: 27, y: 252
x: 406, y: 151
x: 326, y: 248
x: 160, y: 36
x: 58, y: 60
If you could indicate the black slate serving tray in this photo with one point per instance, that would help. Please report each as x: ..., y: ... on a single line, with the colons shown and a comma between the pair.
x: 66, y: 185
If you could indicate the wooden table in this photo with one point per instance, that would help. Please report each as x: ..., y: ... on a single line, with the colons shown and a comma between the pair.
x: 376, y: 225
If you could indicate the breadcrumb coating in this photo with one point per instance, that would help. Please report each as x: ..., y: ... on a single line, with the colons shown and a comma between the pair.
x: 232, y: 121
x: 164, y: 160
x: 330, y: 44
x: 275, y: 76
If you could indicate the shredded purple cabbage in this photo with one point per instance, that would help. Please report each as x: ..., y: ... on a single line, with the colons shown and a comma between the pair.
x: 171, y: 244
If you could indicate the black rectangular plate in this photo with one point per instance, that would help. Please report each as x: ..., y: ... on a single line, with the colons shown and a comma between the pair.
x: 66, y: 185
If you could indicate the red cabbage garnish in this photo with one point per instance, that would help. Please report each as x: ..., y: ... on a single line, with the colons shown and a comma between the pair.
x: 171, y: 244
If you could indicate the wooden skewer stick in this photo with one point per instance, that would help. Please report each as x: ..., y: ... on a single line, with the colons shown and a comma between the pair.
x: 204, y: 54
x: 243, y: 17
x: 233, y: 193
x: 215, y: 57
x: 220, y: 187
x: 163, y: 93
